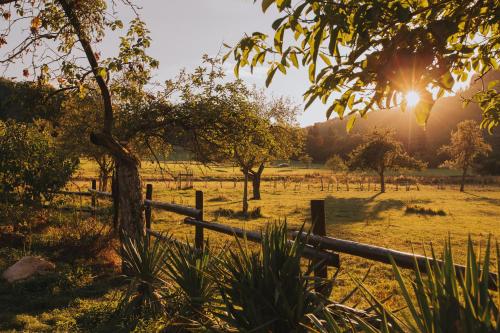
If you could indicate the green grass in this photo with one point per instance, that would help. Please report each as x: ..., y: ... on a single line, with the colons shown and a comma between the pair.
x: 152, y: 170
x: 364, y: 216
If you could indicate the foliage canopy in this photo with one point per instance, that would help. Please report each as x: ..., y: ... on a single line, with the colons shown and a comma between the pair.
x: 371, y: 53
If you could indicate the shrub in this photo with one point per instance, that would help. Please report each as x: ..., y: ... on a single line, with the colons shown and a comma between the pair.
x: 188, y: 268
x: 266, y: 291
x: 31, y: 163
x: 143, y: 259
x: 231, y: 213
x: 446, y: 303
x: 424, y: 211
x: 445, y: 300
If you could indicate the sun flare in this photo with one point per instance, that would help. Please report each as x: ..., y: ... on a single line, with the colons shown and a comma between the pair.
x: 412, y: 98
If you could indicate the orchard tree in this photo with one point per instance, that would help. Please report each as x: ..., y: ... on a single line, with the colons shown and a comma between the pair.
x: 369, y: 54
x: 32, y: 164
x: 230, y: 122
x: 61, y: 37
x: 336, y: 164
x: 382, y: 152
x: 80, y: 119
x: 467, y: 144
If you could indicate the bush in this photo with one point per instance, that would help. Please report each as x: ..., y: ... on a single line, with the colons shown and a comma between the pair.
x: 255, y: 213
x: 143, y: 259
x: 188, y: 268
x: 424, y: 211
x: 447, y: 303
x: 31, y: 163
x: 266, y: 291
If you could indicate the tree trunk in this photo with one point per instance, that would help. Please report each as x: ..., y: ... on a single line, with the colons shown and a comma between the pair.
x: 382, y: 182
x: 245, y: 192
x: 462, y: 183
x: 128, y: 201
x: 130, y: 207
x: 256, y: 177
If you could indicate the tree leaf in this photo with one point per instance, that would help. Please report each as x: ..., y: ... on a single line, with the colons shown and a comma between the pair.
x: 423, y: 109
x: 293, y: 58
x: 446, y: 81
x: 266, y: 4
x: 270, y: 75
x: 350, y: 123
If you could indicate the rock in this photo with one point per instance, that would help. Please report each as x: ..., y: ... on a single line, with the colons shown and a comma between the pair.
x: 27, y: 267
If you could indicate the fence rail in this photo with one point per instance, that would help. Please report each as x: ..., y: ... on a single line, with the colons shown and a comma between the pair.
x: 321, y: 249
x: 327, y: 258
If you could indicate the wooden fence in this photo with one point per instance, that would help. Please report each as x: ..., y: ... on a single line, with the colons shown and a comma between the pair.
x: 321, y: 249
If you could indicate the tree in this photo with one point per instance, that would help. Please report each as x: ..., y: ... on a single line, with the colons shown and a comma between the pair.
x: 381, y: 152
x: 75, y: 130
x: 374, y: 52
x: 28, y: 101
x: 336, y: 164
x: 467, y: 144
x: 230, y: 122
x: 32, y: 165
x: 61, y: 36
x: 307, y: 160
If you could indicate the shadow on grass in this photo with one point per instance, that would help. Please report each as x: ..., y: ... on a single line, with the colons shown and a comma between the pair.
x: 353, y: 210
x: 476, y: 197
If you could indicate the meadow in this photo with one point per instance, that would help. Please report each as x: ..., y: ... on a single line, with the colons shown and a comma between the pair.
x: 84, y: 290
x: 367, y: 216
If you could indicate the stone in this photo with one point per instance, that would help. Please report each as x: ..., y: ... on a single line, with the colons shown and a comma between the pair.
x: 27, y: 267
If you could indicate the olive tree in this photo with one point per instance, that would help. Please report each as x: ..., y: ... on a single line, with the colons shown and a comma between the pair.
x: 62, y: 38
x: 368, y: 54
x: 381, y: 152
x: 466, y: 144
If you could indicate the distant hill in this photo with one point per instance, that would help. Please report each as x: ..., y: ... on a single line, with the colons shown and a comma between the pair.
x: 330, y: 137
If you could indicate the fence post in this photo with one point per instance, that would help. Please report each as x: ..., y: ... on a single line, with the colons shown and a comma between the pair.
x: 147, y: 208
x: 319, y: 229
x: 94, y: 199
x: 198, y: 237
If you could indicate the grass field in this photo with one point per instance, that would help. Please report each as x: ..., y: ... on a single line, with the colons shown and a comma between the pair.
x: 78, y: 297
x: 364, y: 216
x: 153, y: 170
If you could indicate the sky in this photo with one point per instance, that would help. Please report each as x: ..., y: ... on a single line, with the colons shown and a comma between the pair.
x: 183, y: 30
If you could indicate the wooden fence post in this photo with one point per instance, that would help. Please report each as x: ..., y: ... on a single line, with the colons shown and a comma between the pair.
x: 319, y: 229
x: 198, y: 237
x: 93, y: 202
x: 147, y: 208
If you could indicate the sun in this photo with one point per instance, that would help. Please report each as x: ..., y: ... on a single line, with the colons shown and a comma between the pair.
x: 412, y: 98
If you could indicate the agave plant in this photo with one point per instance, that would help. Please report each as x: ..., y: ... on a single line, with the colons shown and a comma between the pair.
x: 444, y: 300
x: 143, y: 259
x: 187, y: 267
x: 266, y: 291
x: 447, y: 302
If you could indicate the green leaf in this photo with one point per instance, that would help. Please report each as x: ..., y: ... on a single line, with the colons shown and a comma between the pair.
x: 325, y: 59
x: 102, y: 73
x: 266, y: 4
x: 423, y: 109
x: 293, y: 58
x: 278, y: 39
x: 312, y: 71
x: 350, y: 122
x: 270, y: 75
x: 446, y: 81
